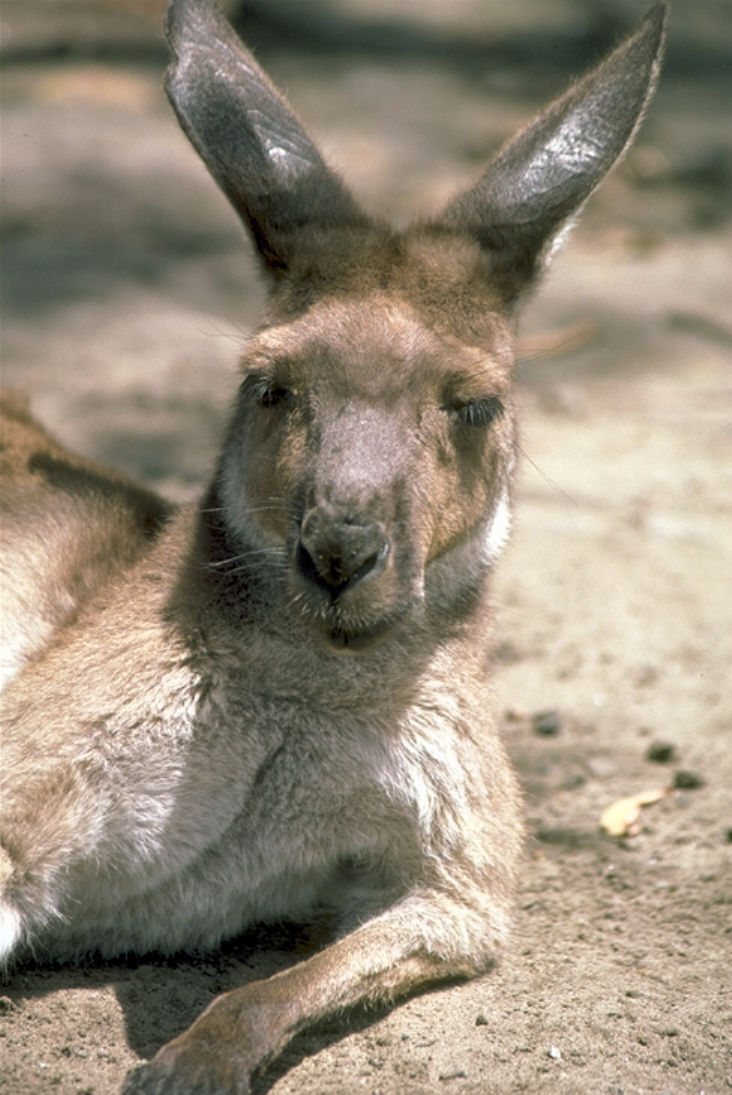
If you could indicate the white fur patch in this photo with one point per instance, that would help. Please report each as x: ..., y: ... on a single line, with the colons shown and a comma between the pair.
x: 10, y: 929
x: 498, y: 530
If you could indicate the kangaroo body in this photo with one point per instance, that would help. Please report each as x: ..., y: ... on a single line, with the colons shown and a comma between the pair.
x: 219, y: 778
x: 278, y: 700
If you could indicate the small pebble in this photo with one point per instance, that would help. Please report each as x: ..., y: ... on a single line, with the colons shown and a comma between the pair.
x: 546, y: 723
x: 7, y: 1005
x: 661, y: 752
x: 685, y: 780
x: 554, y: 1053
x: 481, y: 1020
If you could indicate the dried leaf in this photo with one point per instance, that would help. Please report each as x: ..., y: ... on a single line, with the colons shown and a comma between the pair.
x: 623, y: 817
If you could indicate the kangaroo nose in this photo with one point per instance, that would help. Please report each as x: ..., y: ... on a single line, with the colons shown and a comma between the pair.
x: 335, y: 552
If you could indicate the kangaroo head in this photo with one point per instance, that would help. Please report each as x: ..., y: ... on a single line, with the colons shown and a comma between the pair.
x: 372, y: 446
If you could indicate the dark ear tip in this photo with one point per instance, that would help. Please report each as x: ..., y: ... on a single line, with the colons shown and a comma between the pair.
x: 648, y: 42
x: 182, y: 17
x: 655, y: 24
x: 175, y: 13
x: 659, y: 13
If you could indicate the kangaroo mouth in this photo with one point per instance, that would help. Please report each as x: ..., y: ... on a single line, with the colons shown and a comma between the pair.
x: 356, y: 630
x: 339, y: 638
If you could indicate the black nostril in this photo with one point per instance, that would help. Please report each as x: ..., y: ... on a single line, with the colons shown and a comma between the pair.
x: 306, y: 564
x: 337, y: 554
x: 374, y: 560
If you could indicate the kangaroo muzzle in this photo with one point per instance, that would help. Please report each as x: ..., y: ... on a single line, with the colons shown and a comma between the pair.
x: 338, y: 550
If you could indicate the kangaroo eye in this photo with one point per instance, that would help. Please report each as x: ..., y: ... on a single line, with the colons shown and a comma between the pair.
x: 269, y: 393
x: 477, y: 413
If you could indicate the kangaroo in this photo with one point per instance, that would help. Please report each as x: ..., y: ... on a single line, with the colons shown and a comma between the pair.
x: 277, y: 700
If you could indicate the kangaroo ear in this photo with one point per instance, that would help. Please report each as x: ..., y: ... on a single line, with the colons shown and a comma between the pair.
x: 247, y: 135
x: 541, y: 177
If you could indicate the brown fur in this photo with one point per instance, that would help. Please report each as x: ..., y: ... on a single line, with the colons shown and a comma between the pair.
x: 277, y: 700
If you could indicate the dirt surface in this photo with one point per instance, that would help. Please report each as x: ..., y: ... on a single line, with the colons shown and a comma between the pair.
x: 128, y: 288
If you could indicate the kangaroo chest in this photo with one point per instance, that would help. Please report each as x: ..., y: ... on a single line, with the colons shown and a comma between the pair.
x: 249, y: 816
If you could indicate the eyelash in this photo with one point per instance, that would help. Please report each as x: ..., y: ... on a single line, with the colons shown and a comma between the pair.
x: 477, y: 413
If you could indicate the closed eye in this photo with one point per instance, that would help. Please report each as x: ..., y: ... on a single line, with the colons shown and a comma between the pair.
x: 477, y: 413
x: 268, y: 392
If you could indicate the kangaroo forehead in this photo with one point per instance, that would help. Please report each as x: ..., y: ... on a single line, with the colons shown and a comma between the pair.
x: 380, y: 338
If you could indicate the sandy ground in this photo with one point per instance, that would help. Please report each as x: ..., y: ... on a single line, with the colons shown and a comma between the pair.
x: 128, y: 288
